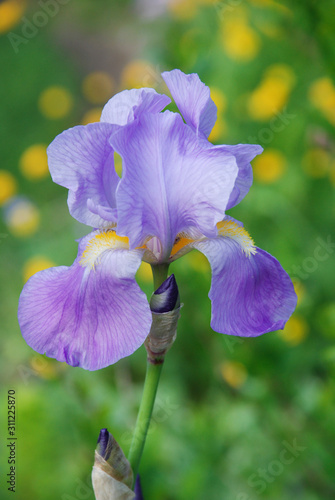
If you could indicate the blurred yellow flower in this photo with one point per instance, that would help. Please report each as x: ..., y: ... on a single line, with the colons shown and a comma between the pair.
x: 207, y: 2
x: 118, y: 164
x: 44, y: 367
x: 218, y: 131
x: 282, y: 72
x: 182, y: 9
x: 234, y: 373
x: 322, y: 96
x: 55, y: 102
x: 34, y: 162
x: 92, y: 116
x: 144, y: 273
x: 295, y: 331
x: 11, y: 12
x: 272, y: 93
x: 139, y: 73
x: 36, y: 264
x: 240, y: 41
x: 8, y: 186
x: 219, y: 98
x: 22, y: 217
x: 98, y: 87
x: 316, y: 162
x: 198, y: 262
x: 269, y: 166
x: 300, y: 290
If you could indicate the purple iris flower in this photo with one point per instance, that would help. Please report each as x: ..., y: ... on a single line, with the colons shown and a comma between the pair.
x: 172, y: 198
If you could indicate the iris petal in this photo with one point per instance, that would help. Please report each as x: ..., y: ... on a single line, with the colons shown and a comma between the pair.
x: 81, y: 159
x: 88, y: 317
x: 125, y: 106
x: 243, y: 153
x: 170, y: 180
x: 193, y: 100
x: 250, y: 295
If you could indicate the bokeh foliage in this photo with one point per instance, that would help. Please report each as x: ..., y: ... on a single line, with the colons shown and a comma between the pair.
x: 225, y: 406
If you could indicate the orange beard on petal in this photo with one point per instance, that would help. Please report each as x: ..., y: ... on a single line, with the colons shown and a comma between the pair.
x: 179, y: 243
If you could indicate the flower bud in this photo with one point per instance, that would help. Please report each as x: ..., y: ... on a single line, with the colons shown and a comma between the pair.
x: 112, y: 476
x: 138, y: 489
x: 166, y: 297
x: 165, y: 309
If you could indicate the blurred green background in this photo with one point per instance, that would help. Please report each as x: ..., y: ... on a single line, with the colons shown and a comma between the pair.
x: 227, y: 408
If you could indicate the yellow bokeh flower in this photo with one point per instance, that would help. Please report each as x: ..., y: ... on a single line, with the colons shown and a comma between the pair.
x: 234, y: 373
x: 144, y: 273
x: 22, y: 218
x: 316, y: 162
x: 55, y: 102
x: 34, y: 162
x: 269, y: 166
x: 272, y: 93
x: 218, y: 131
x: 219, y: 99
x: 8, y: 186
x: 207, y: 2
x: 299, y: 289
x: 322, y: 96
x: 182, y: 9
x: 239, y: 40
x: 118, y: 164
x: 36, y: 264
x: 11, y: 12
x: 92, y: 116
x: 98, y: 87
x: 295, y: 331
x: 44, y: 368
x: 281, y: 72
x: 198, y: 262
x: 138, y: 74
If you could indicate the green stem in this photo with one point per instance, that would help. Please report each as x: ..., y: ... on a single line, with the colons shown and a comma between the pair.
x: 149, y: 391
x: 159, y: 272
x: 144, y: 415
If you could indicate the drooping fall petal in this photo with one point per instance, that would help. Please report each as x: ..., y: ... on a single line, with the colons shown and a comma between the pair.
x: 251, y: 294
x: 90, y: 314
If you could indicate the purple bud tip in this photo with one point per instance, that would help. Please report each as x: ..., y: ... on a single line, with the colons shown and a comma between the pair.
x: 169, y: 282
x: 166, y: 297
x: 102, y: 448
x: 138, y: 489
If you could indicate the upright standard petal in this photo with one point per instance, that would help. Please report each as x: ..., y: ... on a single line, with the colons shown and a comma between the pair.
x: 92, y: 313
x: 251, y: 293
x: 127, y: 105
x: 81, y: 159
x: 243, y: 153
x: 193, y: 100
x: 170, y: 182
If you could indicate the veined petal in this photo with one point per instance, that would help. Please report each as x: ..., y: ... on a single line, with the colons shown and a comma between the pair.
x: 243, y: 153
x: 92, y: 313
x: 170, y: 182
x: 127, y: 105
x: 81, y: 159
x: 193, y: 100
x: 251, y: 293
